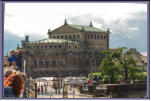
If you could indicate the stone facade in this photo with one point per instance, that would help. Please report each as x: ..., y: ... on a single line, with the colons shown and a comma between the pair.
x: 70, y: 50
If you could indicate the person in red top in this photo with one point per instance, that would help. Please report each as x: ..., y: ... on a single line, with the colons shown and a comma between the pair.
x: 89, y: 81
x: 38, y: 90
x: 7, y: 73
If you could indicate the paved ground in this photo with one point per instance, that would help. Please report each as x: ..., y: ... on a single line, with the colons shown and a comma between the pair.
x: 71, y: 94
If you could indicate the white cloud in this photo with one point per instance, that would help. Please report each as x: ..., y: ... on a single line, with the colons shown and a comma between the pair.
x: 127, y: 21
x: 37, y: 18
x: 133, y: 28
x: 144, y: 53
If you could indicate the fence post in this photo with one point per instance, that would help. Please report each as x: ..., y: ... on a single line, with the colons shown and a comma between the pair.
x: 35, y: 90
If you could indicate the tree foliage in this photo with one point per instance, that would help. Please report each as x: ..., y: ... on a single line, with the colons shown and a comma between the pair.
x: 118, y: 65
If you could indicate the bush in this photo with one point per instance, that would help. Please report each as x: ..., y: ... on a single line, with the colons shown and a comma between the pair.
x: 141, y: 76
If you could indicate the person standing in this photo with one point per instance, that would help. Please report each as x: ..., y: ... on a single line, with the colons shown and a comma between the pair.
x: 7, y: 73
x: 18, y: 54
x: 12, y: 57
x: 14, y: 67
x: 38, y: 90
x: 42, y: 90
x: 55, y: 87
x: 13, y: 86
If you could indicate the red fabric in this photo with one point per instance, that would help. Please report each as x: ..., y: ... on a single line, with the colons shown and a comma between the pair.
x: 5, y: 78
x: 38, y: 90
x: 121, y: 81
x: 89, y: 81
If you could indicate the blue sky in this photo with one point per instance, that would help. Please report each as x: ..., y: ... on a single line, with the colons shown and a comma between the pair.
x: 127, y: 21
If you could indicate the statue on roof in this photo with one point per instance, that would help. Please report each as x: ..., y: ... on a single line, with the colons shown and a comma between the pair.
x: 49, y: 30
x: 91, y: 24
x: 65, y: 22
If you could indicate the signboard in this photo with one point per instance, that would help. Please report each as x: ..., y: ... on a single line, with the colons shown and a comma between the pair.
x: 65, y: 91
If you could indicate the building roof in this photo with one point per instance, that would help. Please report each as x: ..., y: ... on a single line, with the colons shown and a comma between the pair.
x: 48, y: 40
x: 86, y: 28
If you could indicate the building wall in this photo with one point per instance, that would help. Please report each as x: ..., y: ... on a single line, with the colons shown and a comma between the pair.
x: 77, y: 58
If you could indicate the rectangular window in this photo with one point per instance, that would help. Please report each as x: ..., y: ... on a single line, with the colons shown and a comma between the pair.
x: 57, y: 37
x: 91, y: 36
x: 88, y: 36
x: 105, y: 37
x: 70, y: 37
x: 35, y: 63
x: 73, y: 36
x: 54, y: 37
x: 94, y: 36
x: 61, y: 37
x: 97, y: 36
x: 66, y: 37
x: 78, y: 36
x: 60, y: 46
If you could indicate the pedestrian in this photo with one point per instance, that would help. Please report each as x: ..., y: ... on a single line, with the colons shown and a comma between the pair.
x: 70, y: 88
x: 7, y: 73
x: 18, y: 54
x: 42, y: 90
x: 55, y: 87
x: 45, y: 88
x: 12, y: 57
x: 6, y: 64
x: 14, y: 66
x: 13, y: 85
x: 73, y: 93
x: 38, y: 90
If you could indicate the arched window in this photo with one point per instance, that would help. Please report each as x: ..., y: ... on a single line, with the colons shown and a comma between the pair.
x: 40, y: 63
x: 46, y: 63
x: 54, y: 62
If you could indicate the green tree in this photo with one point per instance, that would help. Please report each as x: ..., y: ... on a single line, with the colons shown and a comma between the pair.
x: 110, y: 66
x: 118, y: 65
